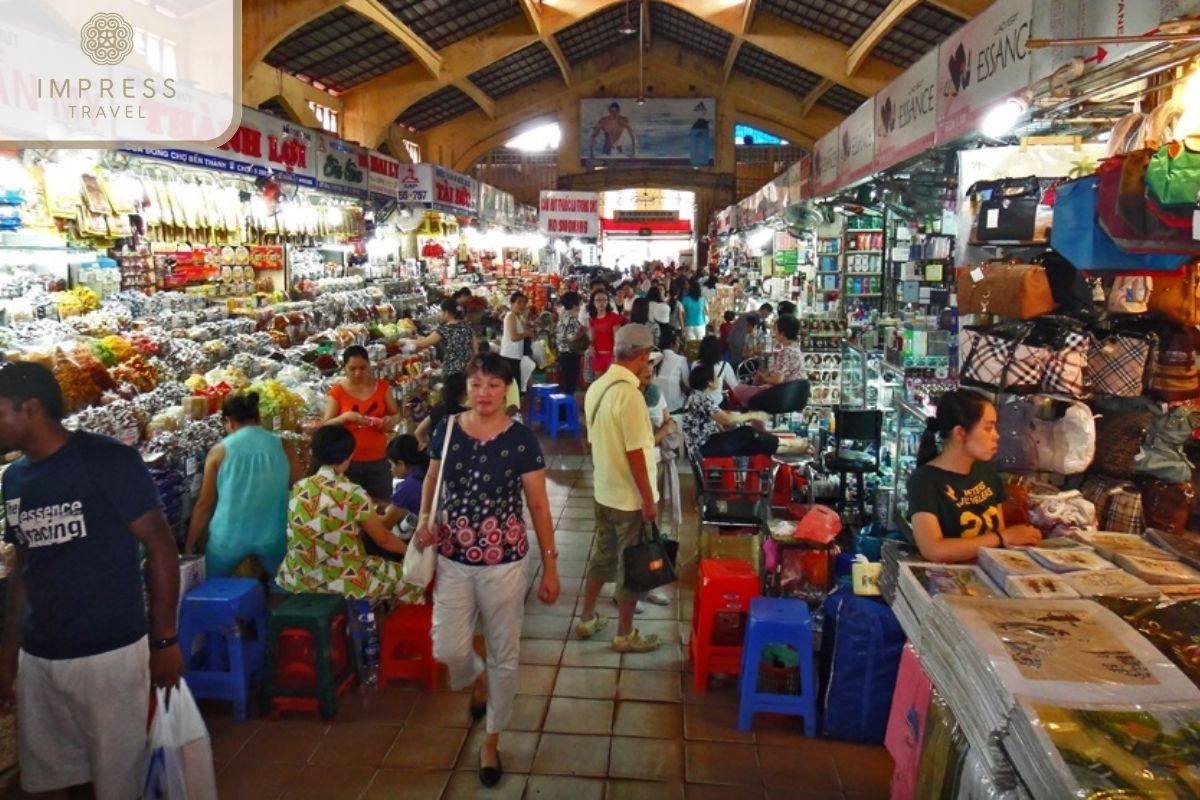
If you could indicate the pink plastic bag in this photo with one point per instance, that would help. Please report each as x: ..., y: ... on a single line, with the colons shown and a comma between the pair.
x: 906, y: 723
x: 818, y: 524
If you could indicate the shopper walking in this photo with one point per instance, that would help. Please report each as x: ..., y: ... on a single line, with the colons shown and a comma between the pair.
x: 78, y: 657
x: 366, y: 407
x: 626, y: 488
x: 453, y: 401
x: 493, y: 467
x: 603, y: 323
x: 515, y: 334
x: 454, y: 336
x: 242, y: 507
x: 695, y: 312
x: 570, y: 334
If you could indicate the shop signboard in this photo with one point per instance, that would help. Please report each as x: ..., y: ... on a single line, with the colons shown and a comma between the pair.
x: 569, y: 214
x: 495, y: 206
x: 906, y: 114
x: 383, y: 175
x: 982, y: 64
x: 857, y: 141
x: 646, y: 215
x: 1128, y: 18
x: 799, y: 178
x: 341, y: 166
x: 437, y: 187
x: 825, y: 164
x: 725, y: 219
x: 661, y: 131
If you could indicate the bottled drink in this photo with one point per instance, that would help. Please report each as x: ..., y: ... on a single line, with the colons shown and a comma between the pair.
x: 369, y: 633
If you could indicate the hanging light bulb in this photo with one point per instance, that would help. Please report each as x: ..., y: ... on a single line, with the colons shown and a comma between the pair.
x: 627, y: 26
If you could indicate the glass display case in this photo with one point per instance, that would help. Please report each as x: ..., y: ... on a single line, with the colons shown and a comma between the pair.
x: 854, y: 392
x: 901, y: 442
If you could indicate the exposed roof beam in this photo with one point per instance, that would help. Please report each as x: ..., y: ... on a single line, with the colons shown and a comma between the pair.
x: 862, y: 48
x: 564, y: 66
x: 644, y: 10
x: 810, y: 99
x: 963, y: 9
x: 730, y: 60
x: 381, y: 16
x: 748, y: 9
x: 481, y: 98
x: 533, y: 14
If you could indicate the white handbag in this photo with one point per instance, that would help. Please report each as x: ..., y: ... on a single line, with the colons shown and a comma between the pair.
x: 420, y: 565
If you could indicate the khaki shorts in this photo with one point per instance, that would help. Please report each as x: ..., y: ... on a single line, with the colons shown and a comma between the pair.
x: 83, y: 720
x: 615, y: 531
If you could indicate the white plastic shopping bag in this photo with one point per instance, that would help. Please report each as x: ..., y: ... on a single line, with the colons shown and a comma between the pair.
x: 420, y: 565
x: 179, y: 763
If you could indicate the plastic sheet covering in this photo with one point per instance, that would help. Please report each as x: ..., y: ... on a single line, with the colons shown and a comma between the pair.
x: 1110, y: 544
x: 1104, y: 582
x: 1000, y: 565
x: 907, y: 723
x: 1056, y: 514
x: 1185, y: 546
x: 1045, y: 587
x: 1069, y: 560
x: 1171, y: 626
x: 1158, y: 571
x: 920, y: 582
x: 941, y: 753
x: 1107, y: 751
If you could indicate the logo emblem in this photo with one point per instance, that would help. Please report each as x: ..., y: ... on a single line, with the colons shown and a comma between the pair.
x: 106, y: 39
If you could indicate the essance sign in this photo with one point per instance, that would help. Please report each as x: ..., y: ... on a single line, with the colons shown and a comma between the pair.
x: 857, y: 142
x: 984, y: 63
x: 906, y: 114
x: 569, y: 214
x: 825, y: 163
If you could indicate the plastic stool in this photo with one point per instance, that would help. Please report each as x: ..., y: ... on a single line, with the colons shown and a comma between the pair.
x: 539, y: 394
x: 775, y: 620
x: 724, y: 590
x: 308, y: 660
x: 557, y: 406
x: 407, y: 646
x: 231, y: 615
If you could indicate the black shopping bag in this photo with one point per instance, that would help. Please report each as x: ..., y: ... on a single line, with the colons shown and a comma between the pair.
x: 650, y: 563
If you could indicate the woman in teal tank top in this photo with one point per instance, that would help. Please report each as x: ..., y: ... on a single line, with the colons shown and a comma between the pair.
x: 243, y: 501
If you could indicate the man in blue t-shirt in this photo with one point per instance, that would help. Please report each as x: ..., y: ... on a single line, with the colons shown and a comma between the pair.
x: 75, y: 655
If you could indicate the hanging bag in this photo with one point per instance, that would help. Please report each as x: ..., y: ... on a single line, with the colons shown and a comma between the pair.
x: 1173, y: 181
x: 650, y: 563
x: 1066, y: 367
x: 179, y: 763
x: 1118, y: 504
x: 421, y: 565
x: 1019, y: 291
x: 1119, y: 364
x: 1178, y: 298
x: 1044, y: 434
x: 1161, y: 455
x: 1008, y: 211
x: 1119, y: 436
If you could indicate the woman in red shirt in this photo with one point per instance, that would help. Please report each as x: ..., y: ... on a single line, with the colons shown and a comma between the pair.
x: 366, y: 406
x: 603, y: 323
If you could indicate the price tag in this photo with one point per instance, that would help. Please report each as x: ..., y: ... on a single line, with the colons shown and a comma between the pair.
x: 1196, y: 224
x: 977, y: 274
x: 993, y: 218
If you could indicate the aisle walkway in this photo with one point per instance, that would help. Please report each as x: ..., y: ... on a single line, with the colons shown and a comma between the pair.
x: 589, y: 723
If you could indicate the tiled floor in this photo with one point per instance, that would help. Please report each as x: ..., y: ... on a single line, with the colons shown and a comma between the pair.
x: 589, y: 723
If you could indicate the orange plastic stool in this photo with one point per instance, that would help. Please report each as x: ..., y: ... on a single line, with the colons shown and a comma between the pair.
x: 407, y: 646
x: 724, y: 590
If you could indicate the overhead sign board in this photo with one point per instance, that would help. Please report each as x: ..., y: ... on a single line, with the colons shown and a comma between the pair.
x: 569, y: 214
x: 825, y: 163
x: 906, y: 114
x: 856, y: 137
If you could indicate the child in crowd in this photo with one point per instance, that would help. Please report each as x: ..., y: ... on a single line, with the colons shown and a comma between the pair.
x: 724, y: 331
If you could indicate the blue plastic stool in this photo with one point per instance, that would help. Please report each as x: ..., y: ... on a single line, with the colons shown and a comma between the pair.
x: 539, y: 396
x: 231, y: 615
x: 557, y: 406
x: 776, y: 620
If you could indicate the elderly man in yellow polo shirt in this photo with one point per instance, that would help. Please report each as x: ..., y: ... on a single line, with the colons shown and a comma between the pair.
x: 626, y: 485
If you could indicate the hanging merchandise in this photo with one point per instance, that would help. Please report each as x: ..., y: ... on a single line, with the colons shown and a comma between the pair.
x: 1011, y: 210
x: 1178, y: 298
x: 1044, y: 434
x: 1168, y: 505
x: 1119, y: 505
x: 1119, y: 364
x: 1161, y: 454
x: 1173, y: 182
x: 1119, y: 436
x: 1020, y: 291
x: 1130, y: 294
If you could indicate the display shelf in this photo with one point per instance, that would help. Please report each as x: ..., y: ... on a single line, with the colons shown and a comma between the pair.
x: 852, y: 252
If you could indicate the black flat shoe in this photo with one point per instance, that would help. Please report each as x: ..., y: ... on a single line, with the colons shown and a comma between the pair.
x: 478, y: 710
x: 490, y: 776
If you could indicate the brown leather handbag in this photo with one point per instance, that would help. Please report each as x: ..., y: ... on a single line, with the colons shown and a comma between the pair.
x: 1119, y: 437
x: 1177, y: 298
x: 1020, y: 291
x: 1167, y: 506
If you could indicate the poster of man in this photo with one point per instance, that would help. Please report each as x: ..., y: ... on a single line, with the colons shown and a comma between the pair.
x: 662, y: 131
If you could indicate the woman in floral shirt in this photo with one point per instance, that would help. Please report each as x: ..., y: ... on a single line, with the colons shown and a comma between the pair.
x: 327, y: 515
x: 569, y: 327
x: 787, y: 364
x: 454, y: 336
x: 711, y: 432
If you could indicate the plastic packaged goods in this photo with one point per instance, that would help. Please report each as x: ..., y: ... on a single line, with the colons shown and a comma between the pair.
x: 919, y: 582
x: 1068, y: 560
x: 1043, y: 587
x: 1118, y: 582
x: 1173, y: 626
x: 1156, y: 570
x: 1110, y: 544
x: 1000, y: 564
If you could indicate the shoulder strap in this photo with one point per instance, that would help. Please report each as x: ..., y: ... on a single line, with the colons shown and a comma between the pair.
x: 437, y: 489
x: 600, y: 400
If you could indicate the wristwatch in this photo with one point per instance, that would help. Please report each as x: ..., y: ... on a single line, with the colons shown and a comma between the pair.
x: 163, y: 644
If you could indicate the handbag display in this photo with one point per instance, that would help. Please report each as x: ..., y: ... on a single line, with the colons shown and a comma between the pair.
x: 1130, y: 294
x: 1161, y: 455
x: 1119, y: 436
x: 1174, y: 375
x: 1119, y: 363
x: 1010, y: 211
x: 650, y: 563
x: 1173, y: 180
x: 1020, y: 291
x: 1168, y: 506
x: 1178, y: 298
x: 1066, y: 368
x: 1118, y: 504
x: 1044, y: 434
x: 985, y: 352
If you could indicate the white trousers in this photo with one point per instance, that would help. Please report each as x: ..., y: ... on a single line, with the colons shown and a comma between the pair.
x: 496, y: 596
x: 694, y: 333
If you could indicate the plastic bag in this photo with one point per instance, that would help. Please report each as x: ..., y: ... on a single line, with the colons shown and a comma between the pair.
x: 819, y: 524
x: 179, y: 763
x: 419, y: 565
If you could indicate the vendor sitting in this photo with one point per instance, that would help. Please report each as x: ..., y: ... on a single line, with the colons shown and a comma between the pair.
x: 955, y: 496
x: 787, y: 364
x: 713, y: 432
x: 327, y: 517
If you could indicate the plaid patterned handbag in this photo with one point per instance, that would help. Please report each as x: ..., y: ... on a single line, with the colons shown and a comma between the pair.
x: 1118, y: 364
x: 1066, y: 368
x: 1000, y: 359
x: 1118, y: 504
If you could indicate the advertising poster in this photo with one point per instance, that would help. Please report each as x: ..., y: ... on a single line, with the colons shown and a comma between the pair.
x: 857, y: 141
x: 569, y: 214
x: 906, y: 114
x: 341, y: 166
x: 825, y: 163
x: 984, y: 63
x: 677, y: 131
x: 384, y: 174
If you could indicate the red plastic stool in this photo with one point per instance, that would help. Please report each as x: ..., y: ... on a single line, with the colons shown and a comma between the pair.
x: 724, y: 590
x: 308, y: 663
x: 407, y: 646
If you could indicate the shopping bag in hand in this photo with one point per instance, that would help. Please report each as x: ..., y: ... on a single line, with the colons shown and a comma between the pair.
x: 179, y: 763
x: 650, y: 563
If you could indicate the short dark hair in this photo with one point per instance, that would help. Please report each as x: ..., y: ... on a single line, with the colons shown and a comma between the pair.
x: 789, y: 327
x: 25, y: 380
x: 730, y: 316
x: 451, y: 307
x: 405, y: 448
x: 570, y: 300
x: 666, y: 338
x: 710, y: 351
x: 515, y: 296
x: 654, y: 295
x: 611, y: 106
x: 787, y: 309
x: 493, y: 365
x: 241, y: 408
x: 700, y: 377
x: 332, y: 445
x: 453, y: 389
x: 766, y: 308
x: 640, y: 311
x: 355, y: 351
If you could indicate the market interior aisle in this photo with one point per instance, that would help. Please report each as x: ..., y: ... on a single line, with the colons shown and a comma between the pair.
x: 589, y: 723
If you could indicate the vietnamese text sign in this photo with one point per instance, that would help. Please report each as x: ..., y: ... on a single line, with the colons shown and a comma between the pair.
x: 95, y: 73
x: 383, y: 174
x: 982, y: 64
x: 857, y: 140
x: 437, y: 187
x: 569, y: 214
x: 825, y: 164
x: 671, y: 130
x: 341, y: 166
x: 906, y: 114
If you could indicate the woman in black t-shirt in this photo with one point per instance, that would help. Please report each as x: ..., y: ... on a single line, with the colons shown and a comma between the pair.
x: 955, y: 496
